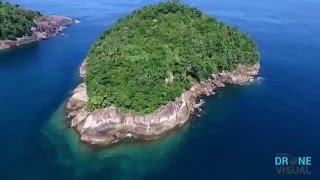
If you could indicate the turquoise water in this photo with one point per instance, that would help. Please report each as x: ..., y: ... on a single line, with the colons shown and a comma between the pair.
x: 238, y: 135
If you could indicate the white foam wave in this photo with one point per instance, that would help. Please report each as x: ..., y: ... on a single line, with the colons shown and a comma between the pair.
x: 256, y: 79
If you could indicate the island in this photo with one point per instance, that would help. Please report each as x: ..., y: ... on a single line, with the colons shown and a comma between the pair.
x: 20, y: 26
x: 144, y: 76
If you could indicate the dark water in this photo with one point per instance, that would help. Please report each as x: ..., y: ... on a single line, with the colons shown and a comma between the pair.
x: 238, y: 136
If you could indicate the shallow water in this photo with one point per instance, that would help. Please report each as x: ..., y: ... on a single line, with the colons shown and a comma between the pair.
x: 238, y: 135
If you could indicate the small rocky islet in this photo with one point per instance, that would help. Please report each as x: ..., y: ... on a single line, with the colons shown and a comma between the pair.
x: 144, y: 76
x: 19, y: 26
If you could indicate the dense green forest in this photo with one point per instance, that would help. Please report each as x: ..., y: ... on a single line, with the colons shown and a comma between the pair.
x: 15, y: 21
x: 128, y: 65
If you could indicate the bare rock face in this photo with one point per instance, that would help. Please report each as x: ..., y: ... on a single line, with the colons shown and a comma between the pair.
x: 5, y: 44
x: 45, y: 27
x: 83, y: 69
x: 109, y: 125
x: 241, y: 75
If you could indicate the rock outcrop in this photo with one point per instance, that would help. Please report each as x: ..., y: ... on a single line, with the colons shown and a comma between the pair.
x: 45, y: 27
x: 109, y: 125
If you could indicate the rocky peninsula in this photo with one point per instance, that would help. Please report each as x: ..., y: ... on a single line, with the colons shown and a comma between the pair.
x: 109, y: 125
x: 45, y: 27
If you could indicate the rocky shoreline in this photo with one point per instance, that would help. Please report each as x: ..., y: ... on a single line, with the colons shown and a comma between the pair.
x: 45, y: 27
x: 109, y: 125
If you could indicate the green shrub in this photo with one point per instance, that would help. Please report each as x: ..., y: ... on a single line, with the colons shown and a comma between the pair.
x: 15, y: 21
x: 128, y: 65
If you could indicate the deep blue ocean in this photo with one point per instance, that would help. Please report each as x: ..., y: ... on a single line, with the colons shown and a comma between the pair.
x: 240, y: 132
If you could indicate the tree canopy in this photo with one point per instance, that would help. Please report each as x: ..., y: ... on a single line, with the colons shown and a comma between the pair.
x: 15, y: 21
x: 129, y: 63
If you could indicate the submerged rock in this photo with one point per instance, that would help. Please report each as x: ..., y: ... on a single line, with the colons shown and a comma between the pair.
x: 109, y: 125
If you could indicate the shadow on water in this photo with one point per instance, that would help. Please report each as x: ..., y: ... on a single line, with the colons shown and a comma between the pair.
x: 7, y: 55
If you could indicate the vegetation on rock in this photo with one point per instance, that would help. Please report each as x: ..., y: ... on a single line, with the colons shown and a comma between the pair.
x: 132, y: 63
x: 15, y: 21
